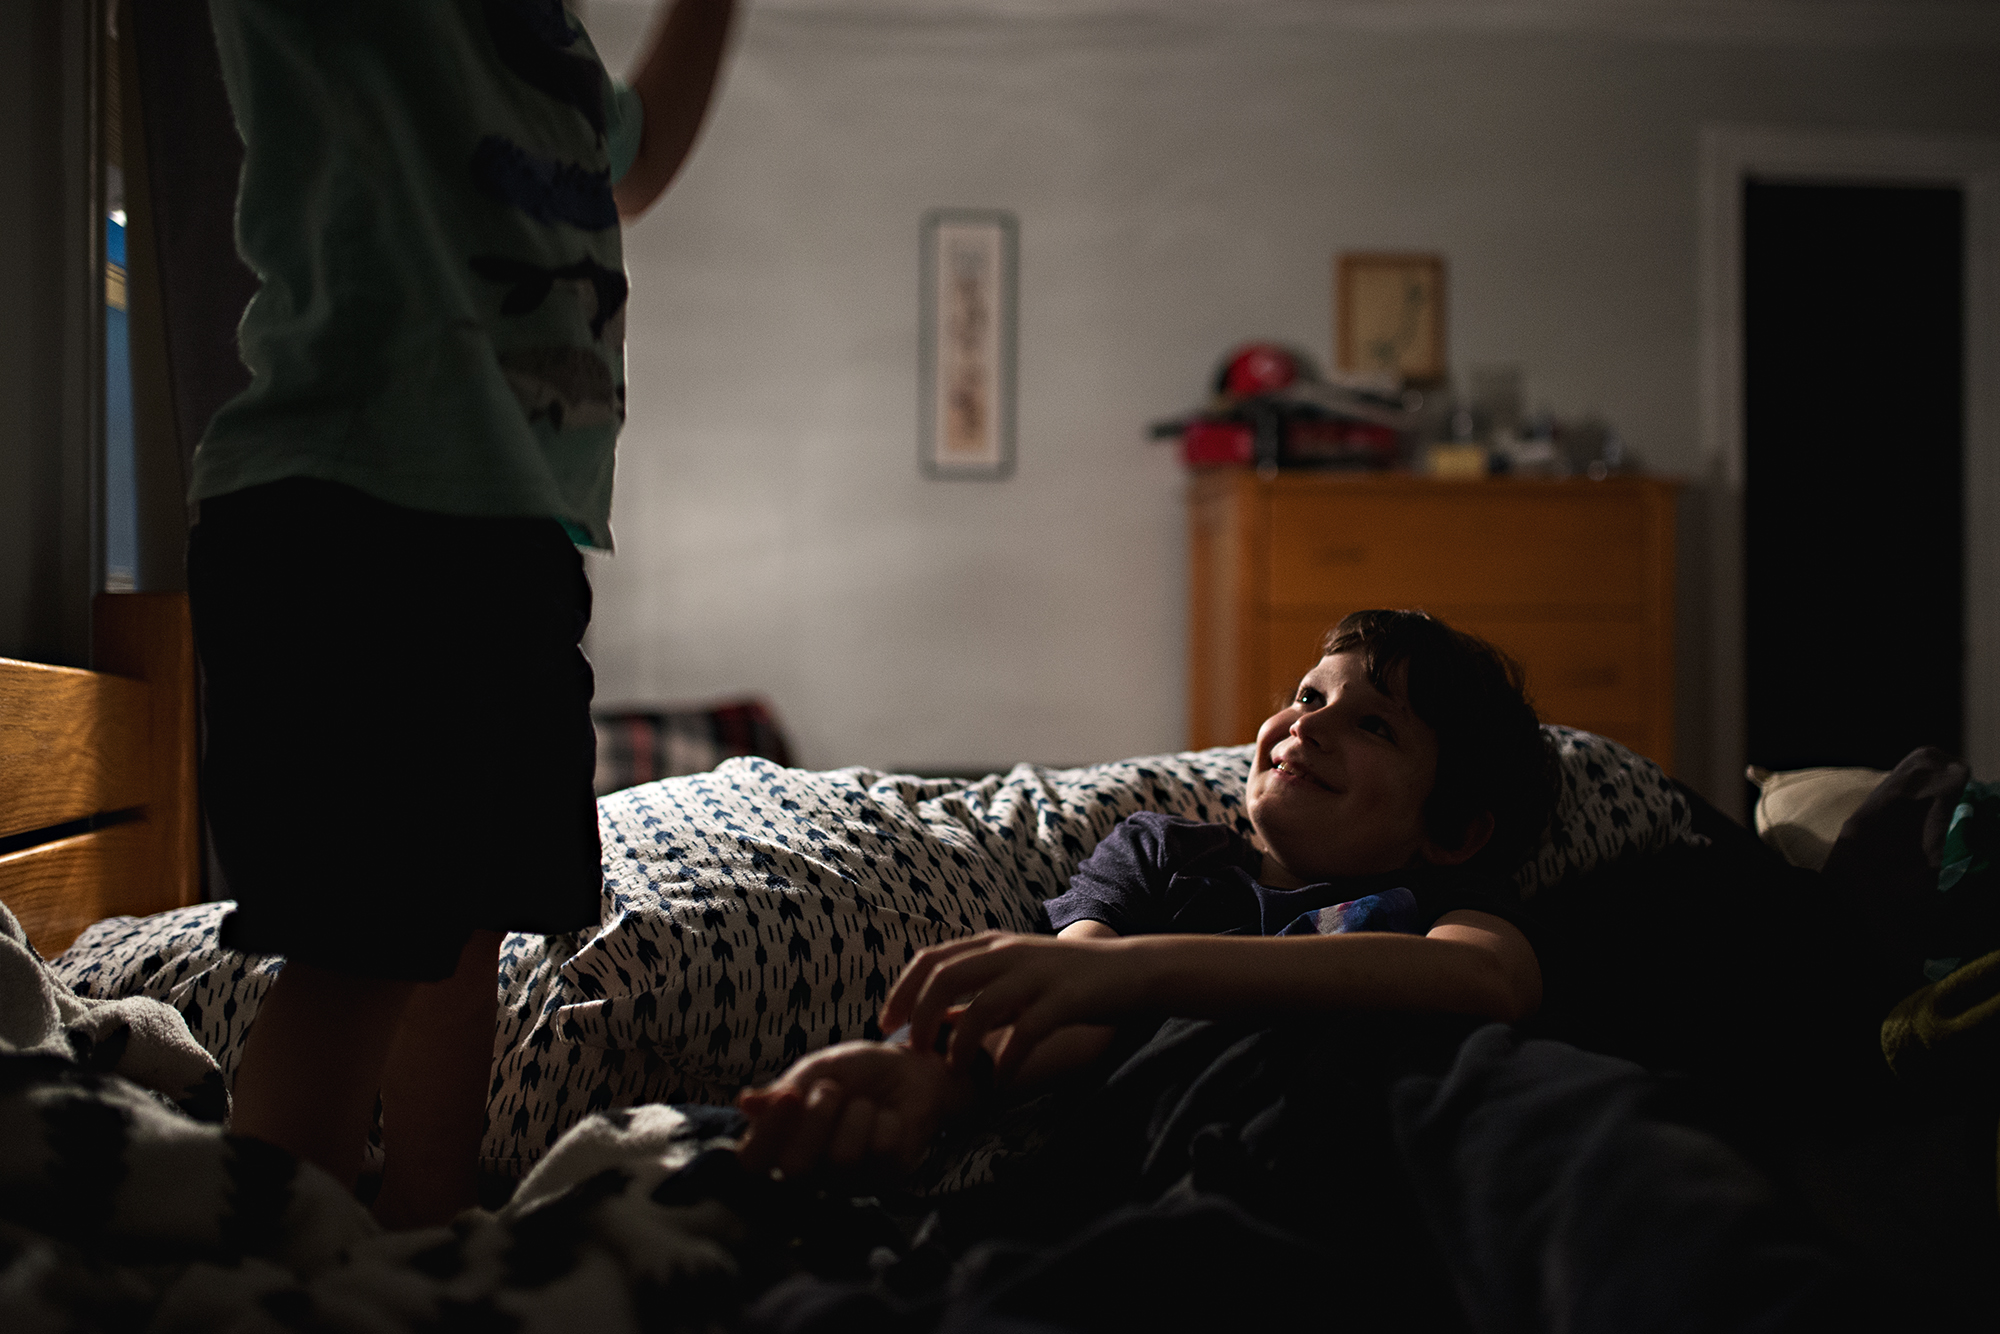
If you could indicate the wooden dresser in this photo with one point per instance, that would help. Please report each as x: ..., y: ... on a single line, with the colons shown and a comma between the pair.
x: 1574, y: 578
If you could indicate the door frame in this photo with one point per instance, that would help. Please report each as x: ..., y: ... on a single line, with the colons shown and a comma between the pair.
x: 1729, y: 154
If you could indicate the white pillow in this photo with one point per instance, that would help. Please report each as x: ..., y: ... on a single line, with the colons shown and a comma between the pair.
x: 756, y: 913
x: 1800, y: 811
x: 1613, y: 804
x: 750, y: 914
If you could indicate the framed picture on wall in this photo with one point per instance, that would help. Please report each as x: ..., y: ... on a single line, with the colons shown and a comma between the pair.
x: 967, y: 308
x: 1389, y: 314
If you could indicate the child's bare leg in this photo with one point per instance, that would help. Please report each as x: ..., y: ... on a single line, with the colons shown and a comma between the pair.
x: 434, y: 1092
x: 313, y: 1063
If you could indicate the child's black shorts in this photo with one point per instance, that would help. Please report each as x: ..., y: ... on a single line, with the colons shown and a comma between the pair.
x: 398, y: 739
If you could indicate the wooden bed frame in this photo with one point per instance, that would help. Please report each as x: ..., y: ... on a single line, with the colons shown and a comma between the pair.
x: 97, y: 775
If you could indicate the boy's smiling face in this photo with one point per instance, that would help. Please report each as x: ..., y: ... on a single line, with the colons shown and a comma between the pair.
x: 1340, y: 778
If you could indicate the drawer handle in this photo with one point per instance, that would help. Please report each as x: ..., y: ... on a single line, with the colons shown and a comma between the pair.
x: 1341, y: 555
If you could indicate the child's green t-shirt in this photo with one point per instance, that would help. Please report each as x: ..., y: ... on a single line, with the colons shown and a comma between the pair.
x: 426, y: 199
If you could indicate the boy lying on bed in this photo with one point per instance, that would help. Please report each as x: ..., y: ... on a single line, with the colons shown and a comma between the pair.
x: 1393, y: 798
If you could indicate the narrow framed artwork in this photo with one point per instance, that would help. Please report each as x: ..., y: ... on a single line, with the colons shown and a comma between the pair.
x: 1389, y: 314
x: 966, y: 321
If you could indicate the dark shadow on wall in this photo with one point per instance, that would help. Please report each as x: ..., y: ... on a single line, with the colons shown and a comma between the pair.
x: 183, y: 204
x: 52, y: 291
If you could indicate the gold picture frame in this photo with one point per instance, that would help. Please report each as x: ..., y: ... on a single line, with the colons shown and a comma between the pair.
x: 1389, y: 313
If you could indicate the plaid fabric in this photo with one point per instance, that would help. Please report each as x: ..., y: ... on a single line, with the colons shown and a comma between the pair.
x: 634, y: 748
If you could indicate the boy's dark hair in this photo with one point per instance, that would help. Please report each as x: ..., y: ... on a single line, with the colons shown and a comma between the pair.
x: 1492, y: 753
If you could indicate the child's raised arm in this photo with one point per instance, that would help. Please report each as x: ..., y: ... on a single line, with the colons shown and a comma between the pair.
x: 675, y: 79
x: 1470, y: 963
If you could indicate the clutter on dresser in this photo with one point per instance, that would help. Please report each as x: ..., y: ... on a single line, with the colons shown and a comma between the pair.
x: 1487, y: 430
x: 1270, y: 407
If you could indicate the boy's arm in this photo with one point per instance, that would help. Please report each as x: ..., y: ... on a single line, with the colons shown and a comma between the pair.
x: 675, y: 79
x: 855, y: 1104
x: 1471, y: 963
x: 1067, y: 1049
x: 874, y: 1102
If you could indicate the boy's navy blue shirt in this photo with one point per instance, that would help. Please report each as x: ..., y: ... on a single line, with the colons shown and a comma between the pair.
x: 1157, y: 873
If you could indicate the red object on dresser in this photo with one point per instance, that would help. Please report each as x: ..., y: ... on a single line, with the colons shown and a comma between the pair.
x: 1218, y: 444
x: 1308, y: 442
x: 1261, y: 368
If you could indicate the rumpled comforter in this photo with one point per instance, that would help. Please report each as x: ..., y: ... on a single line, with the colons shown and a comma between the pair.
x: 124, y: 1205
x: 1414, y: 1174
x: 1402, y: 1175
x: 1213, y: 1175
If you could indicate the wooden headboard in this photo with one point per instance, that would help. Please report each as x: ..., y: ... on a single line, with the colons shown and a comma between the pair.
x: 97, y: 775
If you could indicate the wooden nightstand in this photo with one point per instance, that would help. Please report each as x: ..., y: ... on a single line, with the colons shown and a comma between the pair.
x: 1574, y: 578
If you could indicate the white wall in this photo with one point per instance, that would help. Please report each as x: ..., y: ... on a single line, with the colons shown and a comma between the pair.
x: 1183, y: 174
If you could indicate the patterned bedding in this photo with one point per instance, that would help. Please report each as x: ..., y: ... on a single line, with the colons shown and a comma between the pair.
x: 124, y: 1204
x: 755, y: 913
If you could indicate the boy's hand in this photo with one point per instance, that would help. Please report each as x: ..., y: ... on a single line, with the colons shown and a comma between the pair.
x: 1033, y: 983
x: 859, y: 1103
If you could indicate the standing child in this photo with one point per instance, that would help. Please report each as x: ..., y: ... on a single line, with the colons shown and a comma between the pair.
x: 387, y: 593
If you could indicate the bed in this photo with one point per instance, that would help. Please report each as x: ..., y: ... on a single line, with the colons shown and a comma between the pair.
x: 1692, y: 1128
x: 98, y: 812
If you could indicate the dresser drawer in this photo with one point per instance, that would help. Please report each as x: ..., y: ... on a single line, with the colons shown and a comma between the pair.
x: 1573, y: 578
x: 1533, y: 552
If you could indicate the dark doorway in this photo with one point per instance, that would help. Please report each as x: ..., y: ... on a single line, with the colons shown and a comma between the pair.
x: 1854, y: 356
